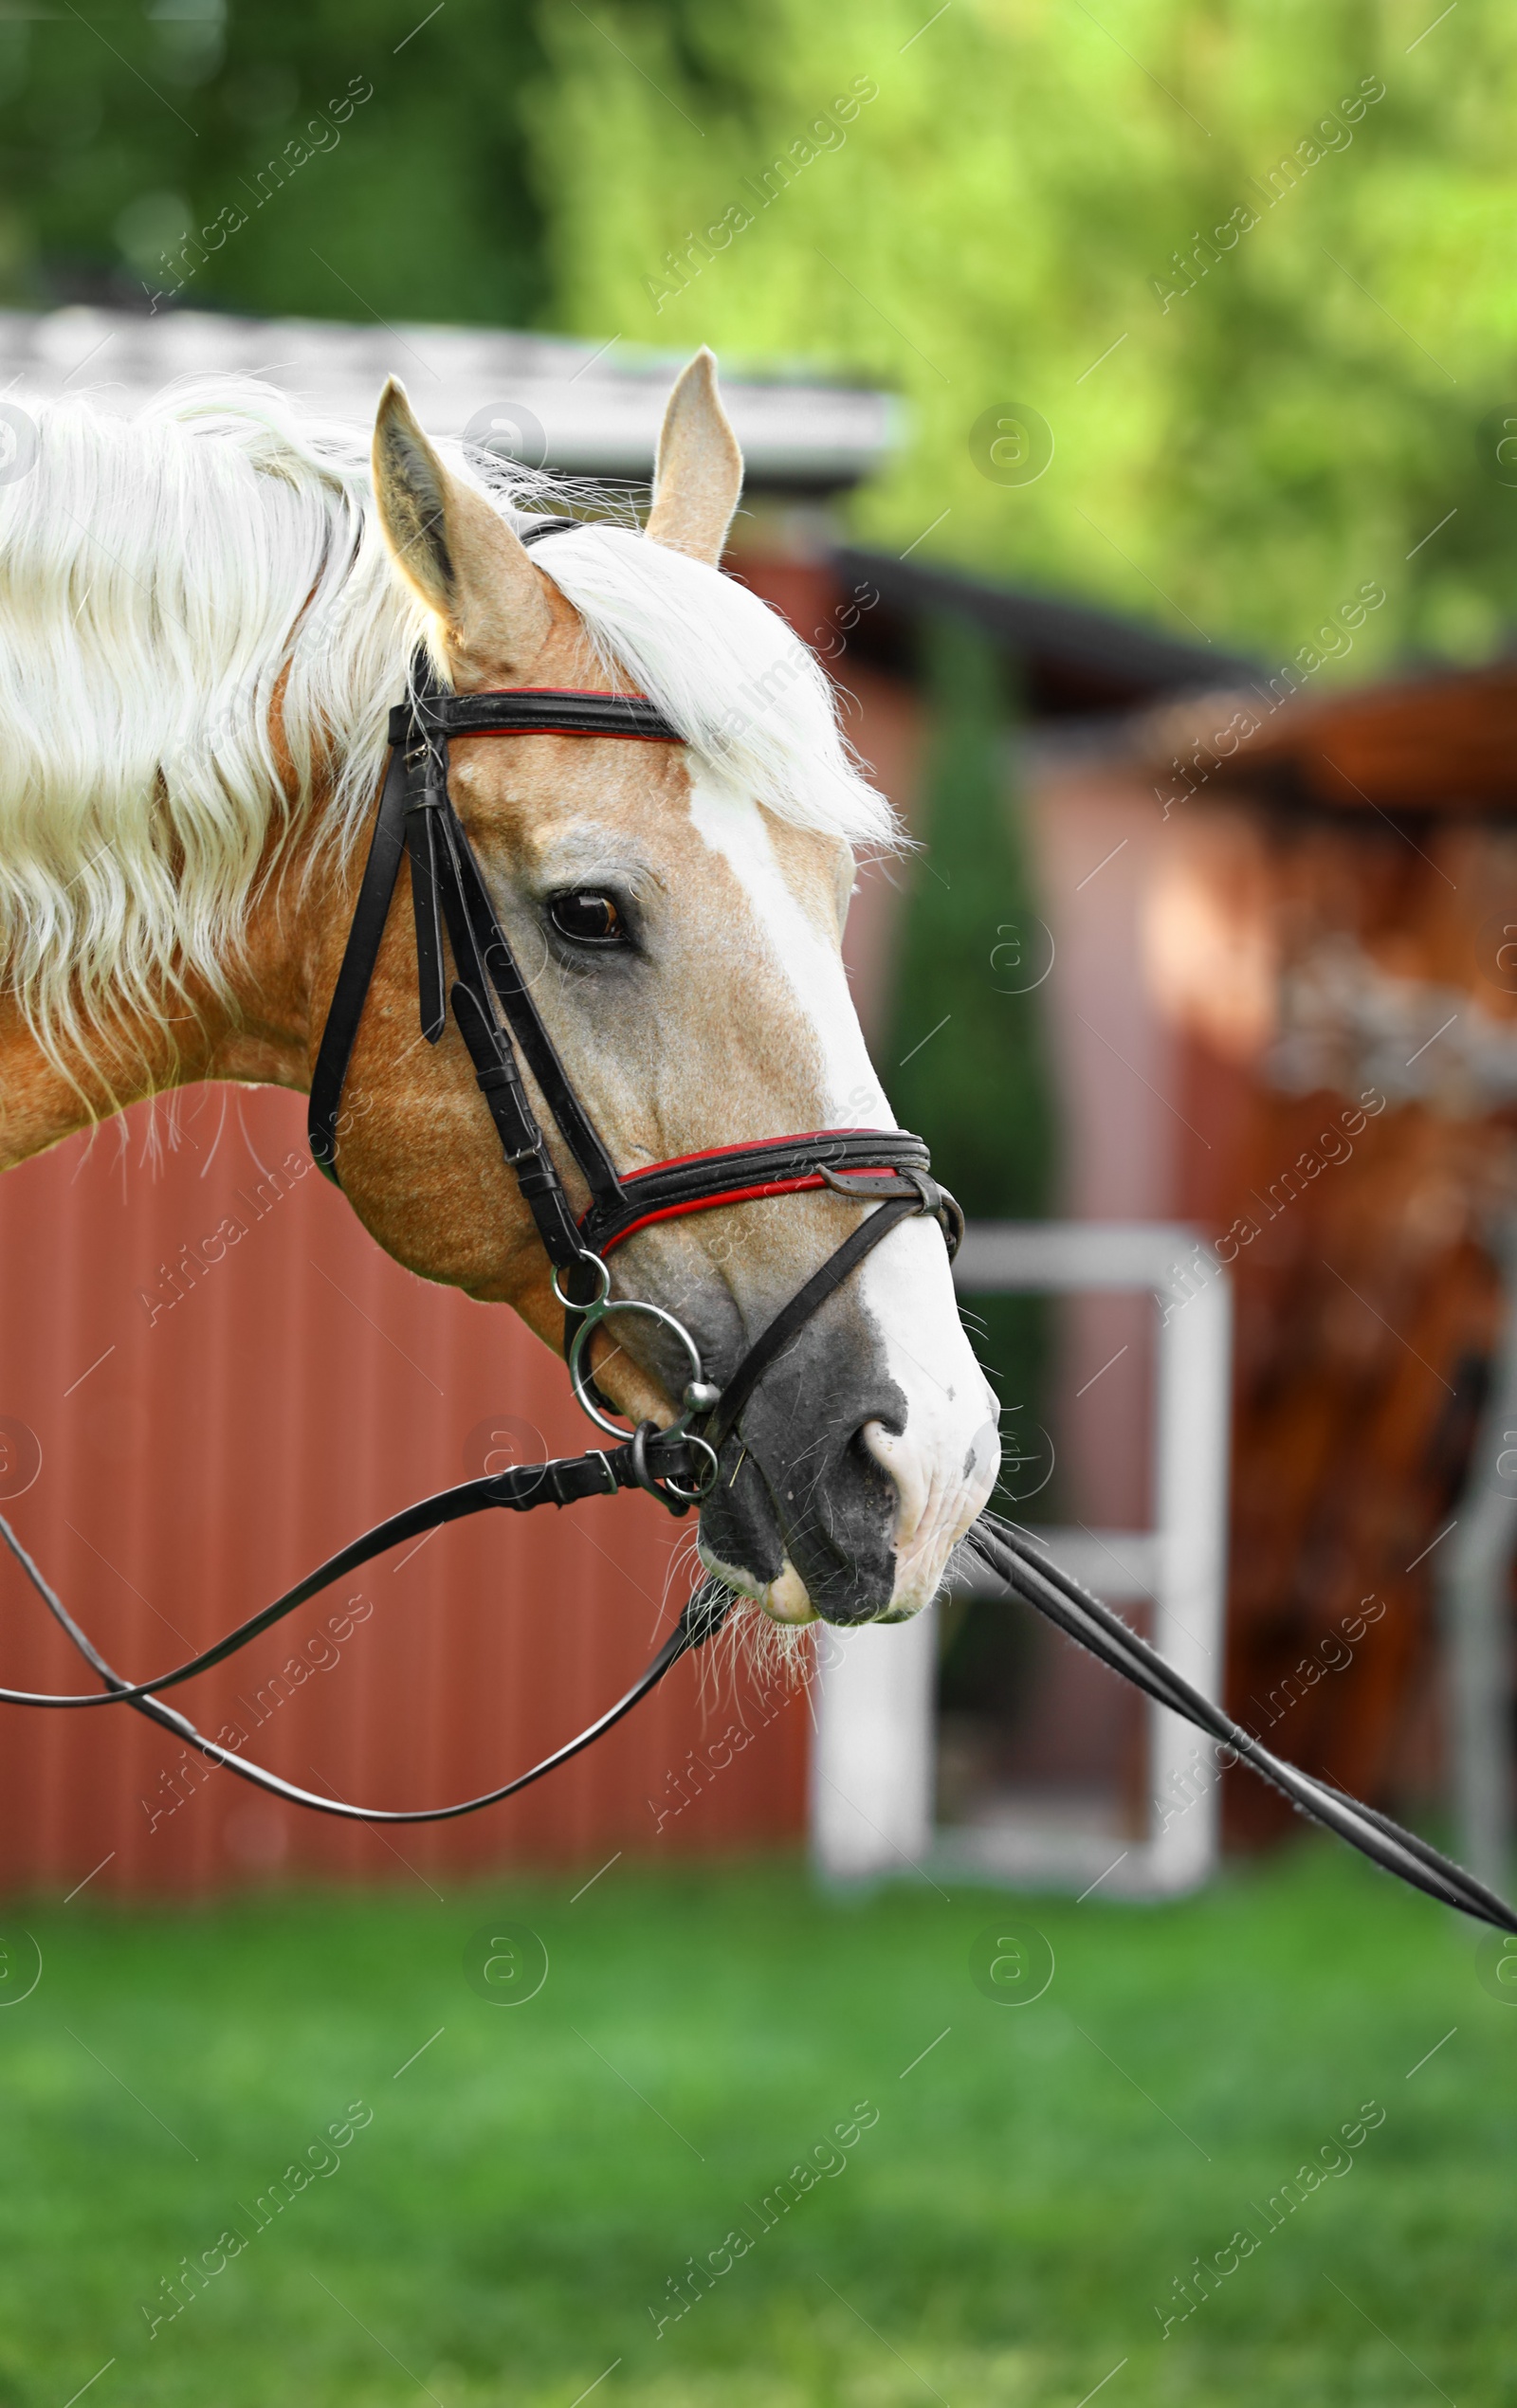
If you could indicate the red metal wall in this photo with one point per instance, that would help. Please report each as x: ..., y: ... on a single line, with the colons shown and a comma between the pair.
x: 197, y: 1456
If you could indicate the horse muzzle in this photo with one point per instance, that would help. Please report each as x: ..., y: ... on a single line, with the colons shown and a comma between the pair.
x: 838, y: 1503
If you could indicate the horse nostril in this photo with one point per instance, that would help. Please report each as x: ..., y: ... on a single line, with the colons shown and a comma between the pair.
x: 895, y: 1453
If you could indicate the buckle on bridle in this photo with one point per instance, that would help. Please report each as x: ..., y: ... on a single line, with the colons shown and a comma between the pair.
x: 932, y: 1198
x: 946, y: 1208
x: 671, y: 1495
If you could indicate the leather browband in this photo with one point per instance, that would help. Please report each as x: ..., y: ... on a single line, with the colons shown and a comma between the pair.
x: 532, y: 710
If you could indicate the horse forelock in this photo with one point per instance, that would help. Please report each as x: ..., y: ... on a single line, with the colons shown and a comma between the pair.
x: 747, y: 695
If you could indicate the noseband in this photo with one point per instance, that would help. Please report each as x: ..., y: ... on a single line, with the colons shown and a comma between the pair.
x: 885, y: 1168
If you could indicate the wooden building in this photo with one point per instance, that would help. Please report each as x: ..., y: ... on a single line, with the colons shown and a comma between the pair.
x: 1330, y: 938
x: 1282, y: 1006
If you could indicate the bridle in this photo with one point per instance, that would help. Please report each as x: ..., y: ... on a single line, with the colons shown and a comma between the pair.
x: 887, y: 1170
x: 496, y: 1014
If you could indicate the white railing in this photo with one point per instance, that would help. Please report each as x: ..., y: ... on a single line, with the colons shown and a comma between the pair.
x: 873, y: 1757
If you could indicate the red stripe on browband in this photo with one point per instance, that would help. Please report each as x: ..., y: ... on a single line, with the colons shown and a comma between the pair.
x: 732, y: 1195
x: 591, y: 734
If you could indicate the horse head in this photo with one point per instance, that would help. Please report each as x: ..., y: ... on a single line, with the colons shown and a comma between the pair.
x: 678, y: 911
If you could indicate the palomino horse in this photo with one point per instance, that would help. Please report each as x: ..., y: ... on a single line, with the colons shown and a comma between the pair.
x: 207, y: 611
x: 205, y: 617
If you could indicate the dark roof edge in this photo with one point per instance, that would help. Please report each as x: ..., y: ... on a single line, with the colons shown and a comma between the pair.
x: 1026, y: 620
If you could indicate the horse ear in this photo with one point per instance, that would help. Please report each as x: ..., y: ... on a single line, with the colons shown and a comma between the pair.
x: 699, y: 475
x: 457, y: 555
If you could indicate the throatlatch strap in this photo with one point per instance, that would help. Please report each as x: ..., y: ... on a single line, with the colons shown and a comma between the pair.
x: 351, y: 993
x: 427, y: 804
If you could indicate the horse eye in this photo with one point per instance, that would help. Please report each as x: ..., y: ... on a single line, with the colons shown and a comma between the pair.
x: 588, y: 919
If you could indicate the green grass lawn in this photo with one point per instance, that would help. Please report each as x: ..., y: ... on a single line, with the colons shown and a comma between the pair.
x: 539, y: 2176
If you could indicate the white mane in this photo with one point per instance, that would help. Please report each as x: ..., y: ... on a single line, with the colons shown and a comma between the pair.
x: 164, y: 577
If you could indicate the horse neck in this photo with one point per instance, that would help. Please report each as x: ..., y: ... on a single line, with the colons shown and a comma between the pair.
x: 257, y: 1030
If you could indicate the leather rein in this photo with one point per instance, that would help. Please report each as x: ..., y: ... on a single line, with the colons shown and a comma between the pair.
x: 887, y: 1169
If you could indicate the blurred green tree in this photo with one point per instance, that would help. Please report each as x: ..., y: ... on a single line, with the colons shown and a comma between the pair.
x: 293, y: 157
x: 965, y: 1055
x: 1250, y: 258
x: 965, y: 1064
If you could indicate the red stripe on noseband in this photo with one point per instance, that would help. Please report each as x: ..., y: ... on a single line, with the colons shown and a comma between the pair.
x: 727, y: 1194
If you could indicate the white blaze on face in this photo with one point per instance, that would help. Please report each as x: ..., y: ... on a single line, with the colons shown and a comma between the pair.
x: 945, y: 1461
